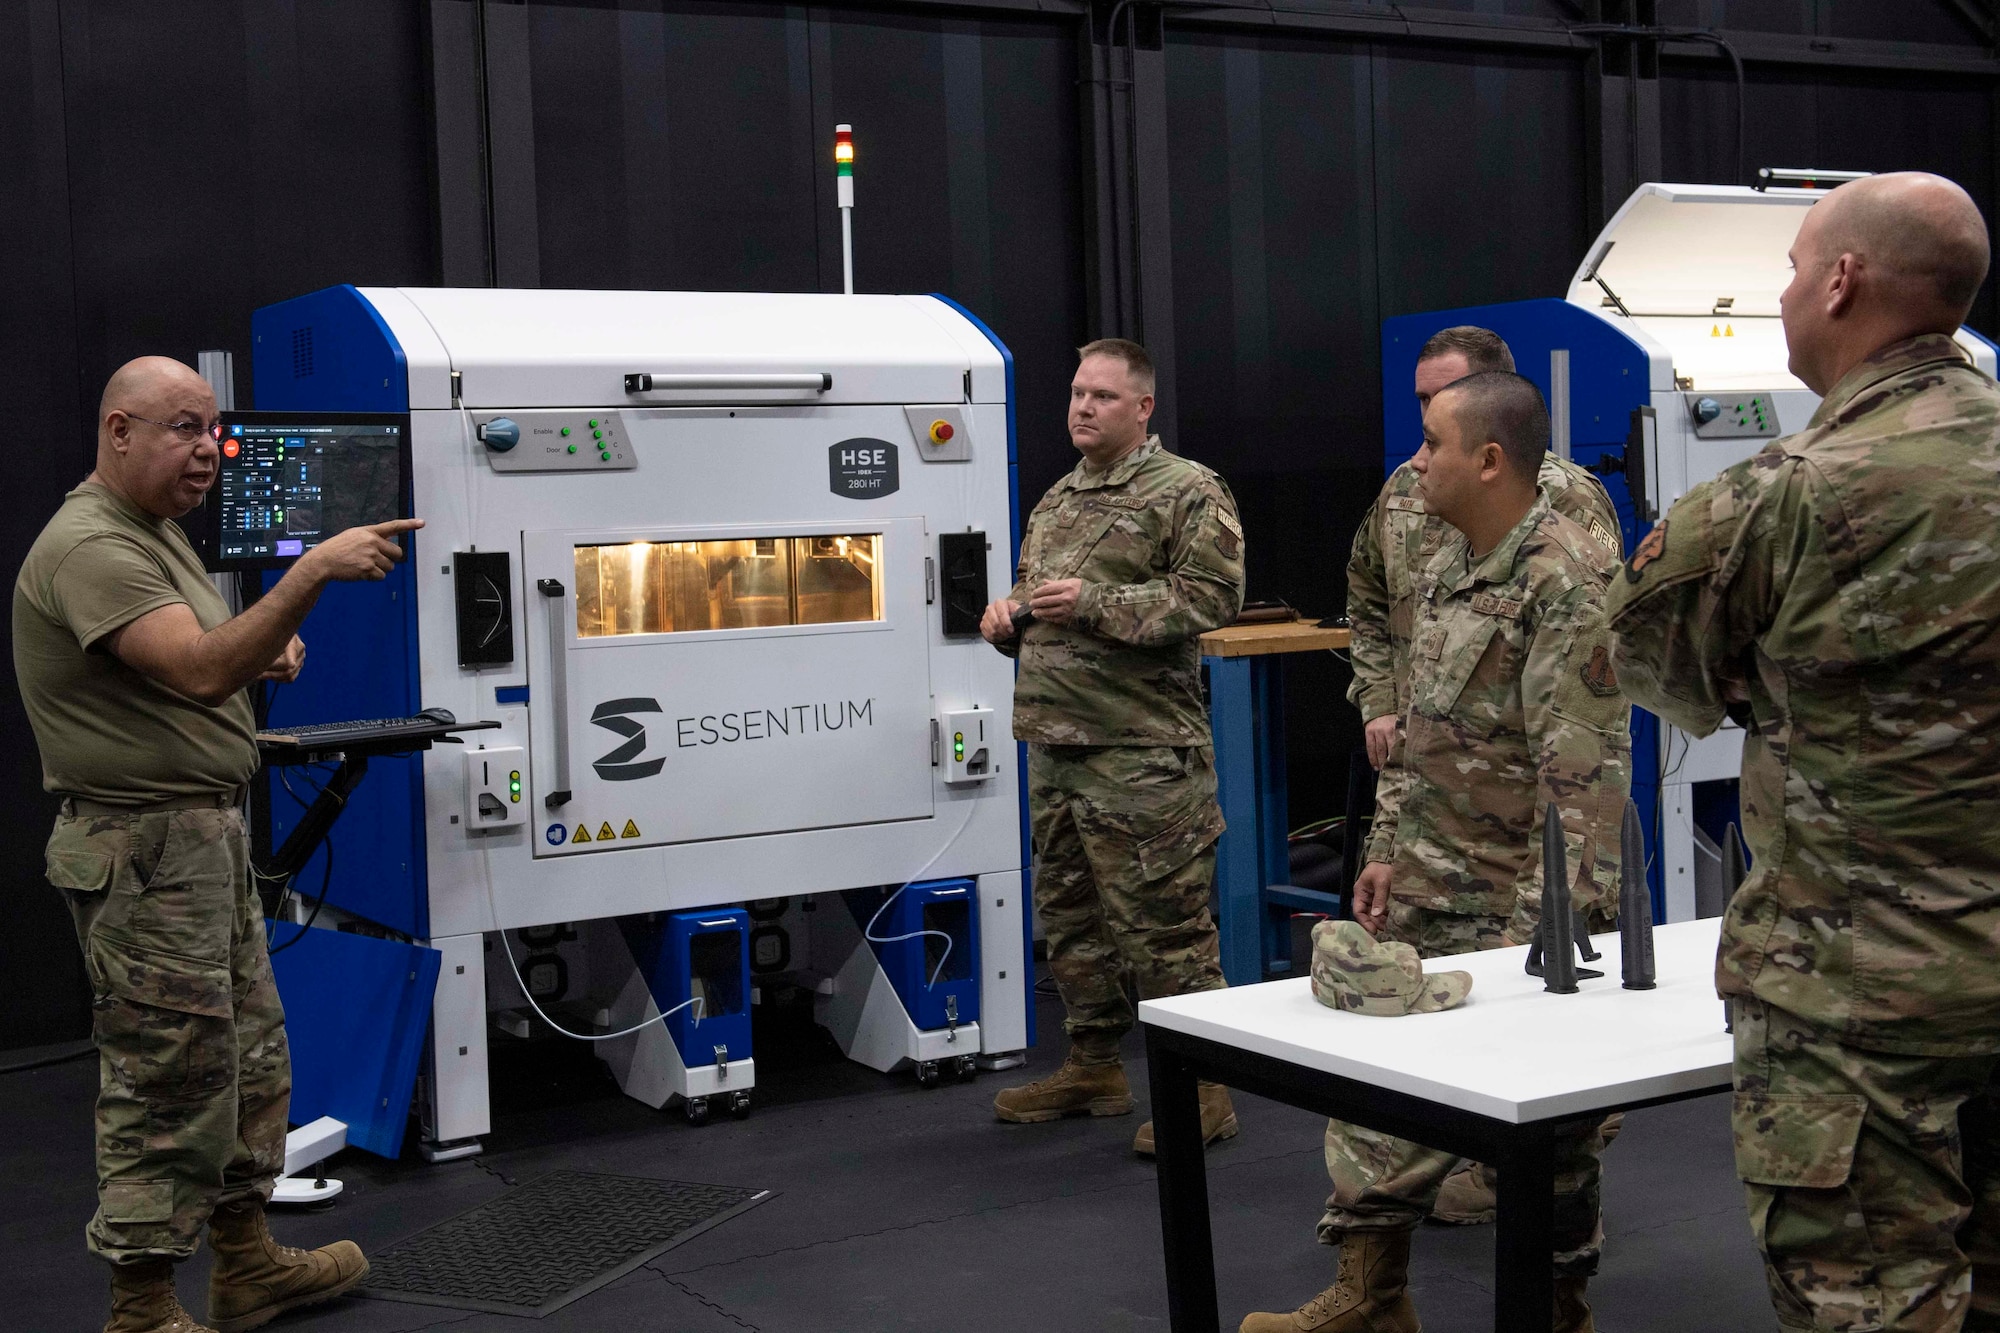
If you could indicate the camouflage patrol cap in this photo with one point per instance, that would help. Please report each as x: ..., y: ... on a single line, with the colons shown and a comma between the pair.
x: 1354, y: 971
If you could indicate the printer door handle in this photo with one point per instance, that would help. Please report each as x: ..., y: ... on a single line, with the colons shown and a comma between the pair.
x: 640, y: 382
x: 557, y: 598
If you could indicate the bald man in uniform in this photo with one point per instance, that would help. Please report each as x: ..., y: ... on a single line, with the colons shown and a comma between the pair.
x: 1838, y: 595
x: 135, y: 678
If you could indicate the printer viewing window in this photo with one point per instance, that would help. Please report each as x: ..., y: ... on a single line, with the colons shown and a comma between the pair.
x: 669, y: 587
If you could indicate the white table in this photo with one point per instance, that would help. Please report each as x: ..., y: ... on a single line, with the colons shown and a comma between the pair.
x: 1489, y: 1080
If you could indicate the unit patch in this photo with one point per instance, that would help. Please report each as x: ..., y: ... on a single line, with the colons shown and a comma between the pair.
x: 1599, y: 676
x: 1649, y: 550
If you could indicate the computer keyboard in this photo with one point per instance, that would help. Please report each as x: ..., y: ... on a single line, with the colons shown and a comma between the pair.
x: 332, y: 735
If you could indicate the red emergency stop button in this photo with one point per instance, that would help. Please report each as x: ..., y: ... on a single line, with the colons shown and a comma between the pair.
x: 941, y: 431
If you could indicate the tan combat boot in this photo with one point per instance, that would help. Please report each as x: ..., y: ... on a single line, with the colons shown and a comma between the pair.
x: 255, y: 1279
x: 1572, y: 1310
x: 143, y: 1301
x: 1467, y: 1198
x: 1075, y: 1089
x: 1368, y: 1296
x: 1218, y: 1120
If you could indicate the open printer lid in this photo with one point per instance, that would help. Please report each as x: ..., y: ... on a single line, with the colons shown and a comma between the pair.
x: 1679, y: 249
x: 551, y: 348
x: 1701, y: 268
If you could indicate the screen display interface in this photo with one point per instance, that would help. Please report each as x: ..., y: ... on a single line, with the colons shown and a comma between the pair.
x: 285, y: 487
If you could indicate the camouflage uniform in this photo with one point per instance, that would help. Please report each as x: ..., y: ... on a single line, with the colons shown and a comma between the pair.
x: 1121, y: 781
x: 1838, y: 595
x: 195, y: 1075
x: 1396, y: 540
x: 152, y: 858
x: 1512, y: 706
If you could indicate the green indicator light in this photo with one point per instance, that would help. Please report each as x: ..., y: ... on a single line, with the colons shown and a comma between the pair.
x: 606, y: 455
x: 572, y: 448
x: 565, y: 431
x: 596, y: 434
x: 593, y: 423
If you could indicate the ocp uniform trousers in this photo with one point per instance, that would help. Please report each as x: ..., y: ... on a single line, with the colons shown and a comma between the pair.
x: 1873, y: 1178
x: 1383, y: 1183
x: 1124, y: 864
x: 194, y: 1072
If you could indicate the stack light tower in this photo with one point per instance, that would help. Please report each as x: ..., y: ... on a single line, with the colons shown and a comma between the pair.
x: 843, y: 172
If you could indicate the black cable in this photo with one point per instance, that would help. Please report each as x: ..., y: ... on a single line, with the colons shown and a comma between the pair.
x: 1708, y: 35
x: 325, y: 882
x: 88, y: 1048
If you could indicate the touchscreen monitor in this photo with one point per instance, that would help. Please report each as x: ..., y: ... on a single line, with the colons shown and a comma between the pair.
x: 290, y: 480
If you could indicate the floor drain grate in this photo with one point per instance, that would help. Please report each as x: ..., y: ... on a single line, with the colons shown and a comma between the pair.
x: 541, y: 1245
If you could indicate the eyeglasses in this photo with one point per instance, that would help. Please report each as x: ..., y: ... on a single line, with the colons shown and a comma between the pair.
x: 187, y: 432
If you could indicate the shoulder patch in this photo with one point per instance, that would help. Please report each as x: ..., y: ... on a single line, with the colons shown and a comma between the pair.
x: 1604, y: 535
x: 1647, y: 552
x: 1228, y: 520
x: 1408, y: 504
x: 1599, y: 676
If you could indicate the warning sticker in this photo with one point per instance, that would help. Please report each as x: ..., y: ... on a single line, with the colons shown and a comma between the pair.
x: 631, y: 830
x: 582, y: 834
x: 604, y: 833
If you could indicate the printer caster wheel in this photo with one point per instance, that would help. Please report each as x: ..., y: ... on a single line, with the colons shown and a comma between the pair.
x: 739, y: 1105
x: 696, y: 1111
x: 967, y: 1068
x: 927, y: 1073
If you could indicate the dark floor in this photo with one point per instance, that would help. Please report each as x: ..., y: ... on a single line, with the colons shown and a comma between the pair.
x: 898, y: 1208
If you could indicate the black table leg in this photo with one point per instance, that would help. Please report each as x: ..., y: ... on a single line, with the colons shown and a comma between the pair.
x: 1524, y: 1280
x: 1183, y: 1172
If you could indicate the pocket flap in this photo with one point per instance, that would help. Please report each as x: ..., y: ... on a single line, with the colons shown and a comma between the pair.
x: 1796, y: 1140
x: 77, y: 868
x: 138, y: 1201
x: 160, y: 980
x: 1180, y: 842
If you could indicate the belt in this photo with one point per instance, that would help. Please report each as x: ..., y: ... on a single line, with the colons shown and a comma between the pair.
x: 74, y: 806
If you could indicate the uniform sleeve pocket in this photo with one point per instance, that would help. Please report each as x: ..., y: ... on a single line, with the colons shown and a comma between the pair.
x: 138, y: 1201
x: 1180, y: 842
x: 72, y: 868
x: 159, y: 980
x: 1796, y: 1141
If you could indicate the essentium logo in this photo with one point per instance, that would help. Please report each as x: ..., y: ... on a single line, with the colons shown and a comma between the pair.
x: 617, y: 766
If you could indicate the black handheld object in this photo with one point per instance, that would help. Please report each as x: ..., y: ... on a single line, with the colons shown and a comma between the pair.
x: 1552, y: 953
x: 1635, y: 905
x: 1023, y: 617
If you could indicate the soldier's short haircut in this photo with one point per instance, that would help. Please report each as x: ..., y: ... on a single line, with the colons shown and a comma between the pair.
x: 1137, y: 364
x: 1483, y: 349
x: 1501, y: 407
x: 1923, y: 231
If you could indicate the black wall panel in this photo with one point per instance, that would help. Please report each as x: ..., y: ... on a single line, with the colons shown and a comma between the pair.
x: 46, y: 997
x: 691, y: 146
x: 223, y: 156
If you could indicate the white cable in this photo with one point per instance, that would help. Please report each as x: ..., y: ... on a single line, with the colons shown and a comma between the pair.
x: 701, y: 1008
x: 868, y: 931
